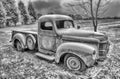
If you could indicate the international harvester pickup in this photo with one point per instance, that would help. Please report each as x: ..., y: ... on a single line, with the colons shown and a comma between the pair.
x: 57, y: 39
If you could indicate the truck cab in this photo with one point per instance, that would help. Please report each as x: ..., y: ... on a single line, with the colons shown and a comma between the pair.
x: 57, y: 39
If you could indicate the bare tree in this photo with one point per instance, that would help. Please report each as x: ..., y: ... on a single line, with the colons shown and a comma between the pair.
x: 89, y: 8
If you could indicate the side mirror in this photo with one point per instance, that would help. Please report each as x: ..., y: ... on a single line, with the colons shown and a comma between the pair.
x: 78, y: 27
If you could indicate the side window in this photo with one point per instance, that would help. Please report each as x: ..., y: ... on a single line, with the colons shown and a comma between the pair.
x: 67, y: 24
x: 46, y: 26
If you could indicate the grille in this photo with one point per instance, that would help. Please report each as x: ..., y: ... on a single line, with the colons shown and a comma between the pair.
x: 102, y: 48
x: 101, y: 53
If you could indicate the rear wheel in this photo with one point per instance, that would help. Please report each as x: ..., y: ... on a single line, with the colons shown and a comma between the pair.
x: 74, y: 63
x: 19, y: 46
x: 30, y: 43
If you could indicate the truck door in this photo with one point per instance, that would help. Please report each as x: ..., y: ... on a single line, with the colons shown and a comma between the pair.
x: 46, y: 37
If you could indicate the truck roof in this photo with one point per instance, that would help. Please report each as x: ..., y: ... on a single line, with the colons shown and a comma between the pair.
x: 54, y: 17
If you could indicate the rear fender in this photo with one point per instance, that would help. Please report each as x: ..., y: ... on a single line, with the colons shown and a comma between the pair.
x: 30, y: 35
x: 81, y: 50
x: 21, y: 38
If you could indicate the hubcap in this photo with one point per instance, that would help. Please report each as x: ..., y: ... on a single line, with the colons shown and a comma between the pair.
x: 73, y: 63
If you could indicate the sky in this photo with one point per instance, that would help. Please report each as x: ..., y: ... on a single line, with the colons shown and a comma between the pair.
x: 114, y: 7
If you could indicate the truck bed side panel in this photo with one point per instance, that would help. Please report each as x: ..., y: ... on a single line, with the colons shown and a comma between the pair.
x: 25, y: 33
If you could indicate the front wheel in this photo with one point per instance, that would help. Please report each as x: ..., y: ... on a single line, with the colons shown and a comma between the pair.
x: 74, y: 63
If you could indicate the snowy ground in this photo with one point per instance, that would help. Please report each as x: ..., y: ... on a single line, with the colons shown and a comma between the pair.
x: 17, y: 65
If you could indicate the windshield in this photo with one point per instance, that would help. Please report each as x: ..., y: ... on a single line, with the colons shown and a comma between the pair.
x: 64, y: 24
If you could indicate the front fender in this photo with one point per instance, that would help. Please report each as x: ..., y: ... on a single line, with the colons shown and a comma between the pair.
x: 81, y: 50
x: 20, y: 37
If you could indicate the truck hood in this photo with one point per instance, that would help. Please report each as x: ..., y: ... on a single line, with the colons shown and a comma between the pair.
x: 80, y: 33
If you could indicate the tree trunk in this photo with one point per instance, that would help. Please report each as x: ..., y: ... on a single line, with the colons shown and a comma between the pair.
x: 95, y: 24
x: 96, y: 16
x: 95, y: 28
x: 92, y: 14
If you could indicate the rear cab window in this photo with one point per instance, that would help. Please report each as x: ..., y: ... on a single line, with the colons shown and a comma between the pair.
x: 47, y: 26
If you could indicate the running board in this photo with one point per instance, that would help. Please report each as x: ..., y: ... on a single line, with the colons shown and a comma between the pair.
x: 51, y: 58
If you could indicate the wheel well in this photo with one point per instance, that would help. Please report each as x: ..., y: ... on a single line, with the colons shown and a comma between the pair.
x: 63, y: 57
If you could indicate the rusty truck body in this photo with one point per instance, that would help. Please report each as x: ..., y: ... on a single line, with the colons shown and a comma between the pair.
x: 57, y: 39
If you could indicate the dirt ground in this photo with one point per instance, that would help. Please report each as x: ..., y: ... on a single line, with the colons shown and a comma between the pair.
x: 25, y: 65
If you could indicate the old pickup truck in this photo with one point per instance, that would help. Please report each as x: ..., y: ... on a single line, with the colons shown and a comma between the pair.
x: 57, y: 39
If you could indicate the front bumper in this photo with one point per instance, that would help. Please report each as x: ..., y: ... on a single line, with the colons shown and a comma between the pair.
x: 100, y: 63
x: 103, y: 51
x: 101, y: 59
x: 97, y: 59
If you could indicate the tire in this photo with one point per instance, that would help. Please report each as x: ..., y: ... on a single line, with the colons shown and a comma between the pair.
x: 74, y: 63
x: 30, y: 43
x: 19, y: 46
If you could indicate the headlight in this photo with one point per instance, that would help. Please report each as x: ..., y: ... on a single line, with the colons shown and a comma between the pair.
x: 94, y: 55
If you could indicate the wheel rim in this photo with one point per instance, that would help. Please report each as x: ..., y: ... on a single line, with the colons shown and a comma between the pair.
x: 30, y: 43
x: 73, y: 63
x: 19, y: 46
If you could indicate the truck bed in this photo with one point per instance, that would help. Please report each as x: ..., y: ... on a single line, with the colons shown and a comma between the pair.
x: 30, y: 31
x: 25, y: 32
